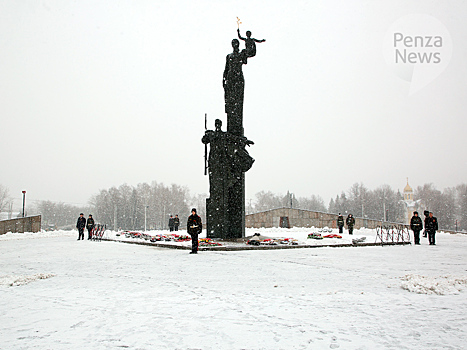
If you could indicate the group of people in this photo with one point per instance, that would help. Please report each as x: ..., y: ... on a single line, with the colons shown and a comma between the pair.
x: 174, y: 222
x: 431, y: 226
x: 194, y: 227
x: 82, y: 224
x: 350, y: 221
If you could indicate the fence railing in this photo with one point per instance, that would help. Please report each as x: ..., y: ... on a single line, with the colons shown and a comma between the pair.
x: 392, y: 233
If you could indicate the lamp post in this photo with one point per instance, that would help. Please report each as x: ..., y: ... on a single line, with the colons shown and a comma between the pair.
x: 24, y: 200
x: 145, y: 207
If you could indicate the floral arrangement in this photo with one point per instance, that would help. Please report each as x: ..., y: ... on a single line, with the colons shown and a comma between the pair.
x: 315, y: 235
x: 207, y: 242
x: 333, y: 236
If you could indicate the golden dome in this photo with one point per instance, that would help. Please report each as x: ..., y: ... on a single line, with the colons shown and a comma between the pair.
x: 407, y: 188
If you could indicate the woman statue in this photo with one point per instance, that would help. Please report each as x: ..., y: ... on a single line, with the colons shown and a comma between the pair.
x: 234, y: 86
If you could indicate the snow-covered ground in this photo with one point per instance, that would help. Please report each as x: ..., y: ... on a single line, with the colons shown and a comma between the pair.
x: 58, y: 293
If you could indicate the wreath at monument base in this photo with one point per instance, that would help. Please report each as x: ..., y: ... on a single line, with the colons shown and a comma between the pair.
x: 207, y: 242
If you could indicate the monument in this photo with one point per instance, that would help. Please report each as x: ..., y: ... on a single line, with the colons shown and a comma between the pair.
x: 228, y: 159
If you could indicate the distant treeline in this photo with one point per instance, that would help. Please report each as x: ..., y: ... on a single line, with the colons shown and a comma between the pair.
x: 449, y: 206
x: 126, y: 207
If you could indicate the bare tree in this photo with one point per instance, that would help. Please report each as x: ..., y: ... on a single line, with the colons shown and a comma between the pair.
x: 5, y: 198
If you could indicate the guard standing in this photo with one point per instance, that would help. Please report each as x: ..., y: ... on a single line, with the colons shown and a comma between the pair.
x: 340, y: 222
x: 176, y: 222
x: 171, y: 223
x: 416, y: 226
x: 90, y: 226
x: 194, y: 228
x: 80, y: 225
x: 431, y: 227
x: 350, y: 221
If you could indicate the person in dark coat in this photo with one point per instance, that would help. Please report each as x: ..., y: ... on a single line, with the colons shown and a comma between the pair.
x: 171, y: 223
x: 176, y: 222
x: 426, y: 213
x: 416, y: 225
x: 194, y: 228
x: 350, y: 221
x: 340, y: 223
x: 90, y: 226
x: 80, y: 225
x: 431, y: 227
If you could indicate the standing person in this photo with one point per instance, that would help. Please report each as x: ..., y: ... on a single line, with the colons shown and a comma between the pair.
x: 431, y: 227
x: 350, y: 221
x: 80, y: 225
x: 194, y: 228
x: 90, y: 226
x: 416, y: 226
x: 427, y: 214
x: 176, y: 222
x: 340, y: 223
x: 171, y: 223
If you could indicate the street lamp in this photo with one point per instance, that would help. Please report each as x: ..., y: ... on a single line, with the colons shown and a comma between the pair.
x: 24, y: 200
x: 145, y: 207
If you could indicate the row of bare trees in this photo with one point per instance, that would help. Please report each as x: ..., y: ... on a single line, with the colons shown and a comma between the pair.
x: 449, y: 205
x: 268, y: 200
x: 5, y: 199
x: 136, y: 207
x: 150, y: 205
x: 382, y: 203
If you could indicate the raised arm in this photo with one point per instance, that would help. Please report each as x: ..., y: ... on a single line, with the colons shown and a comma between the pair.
x: 239, y: 36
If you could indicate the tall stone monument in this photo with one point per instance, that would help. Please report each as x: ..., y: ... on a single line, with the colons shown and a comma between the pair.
x: 228, y: 158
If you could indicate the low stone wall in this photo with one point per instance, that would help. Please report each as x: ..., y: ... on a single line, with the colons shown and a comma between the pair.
x: 301, y: 218
x: 27, y: 224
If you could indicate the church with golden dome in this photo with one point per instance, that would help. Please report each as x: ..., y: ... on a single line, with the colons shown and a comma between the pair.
x: 410, y: 203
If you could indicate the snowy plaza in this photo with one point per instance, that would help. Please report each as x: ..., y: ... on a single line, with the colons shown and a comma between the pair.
x: 58, y: 293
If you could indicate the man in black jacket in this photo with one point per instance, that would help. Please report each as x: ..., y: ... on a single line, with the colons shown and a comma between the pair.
x: 176, y: 223
x: 340, y: 223
x: 90, y: 226
x: 416, y: 226
x: 350, y: 221
x: 80, y: 225
x: 431, y: 227
x: 194, y: 228
x: 426, y: 213
x: 171, y: 223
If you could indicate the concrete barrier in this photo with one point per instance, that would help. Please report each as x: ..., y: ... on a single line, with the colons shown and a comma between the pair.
x: 27, y: 224
x: 291, y: 217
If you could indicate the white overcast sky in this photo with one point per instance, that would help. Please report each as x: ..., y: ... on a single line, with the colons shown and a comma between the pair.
x: 95, y: 94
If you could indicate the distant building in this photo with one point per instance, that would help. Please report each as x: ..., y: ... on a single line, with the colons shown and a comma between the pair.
x: 291, y: 217
x: 410, y: 204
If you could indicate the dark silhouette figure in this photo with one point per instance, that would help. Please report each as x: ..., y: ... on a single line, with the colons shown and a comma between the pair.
x: 427, y: 214
x: 350, y: 221
x: 228, y: 160
x: 171, y: 223
x: 340, y: 223
x: 80, y: 225
x: 90, y: 226
x: 416, y: 225
x: 234, y: 86
x: 431, y: 227
x: 250, y: 43
x: 194, y: 227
